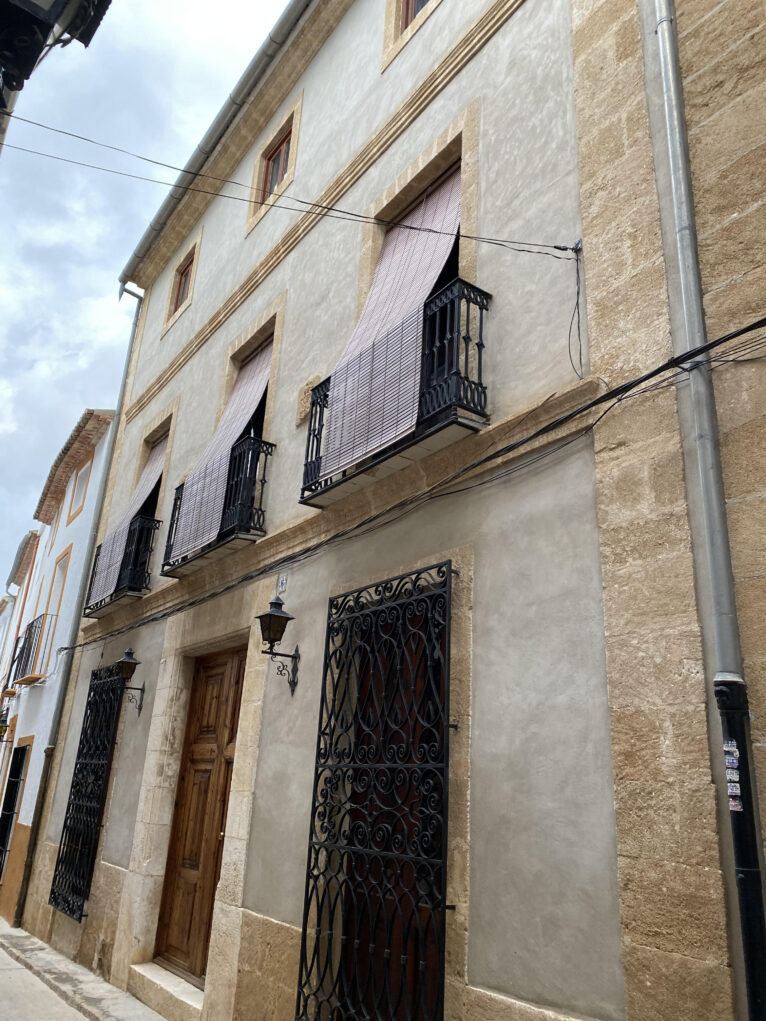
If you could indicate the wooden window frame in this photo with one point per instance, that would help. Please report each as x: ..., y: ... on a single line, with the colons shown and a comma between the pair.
x: 277, y: 155
x: 185, y: 270
x: 409, y: 13
x: 402, y: 22
x: 74, y: 511
x: 182, y: 284
x: 286, y: 128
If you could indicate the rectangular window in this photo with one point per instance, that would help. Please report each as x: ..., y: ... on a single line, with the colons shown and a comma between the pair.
x: 275, y: 169
x: 183, y: 285
x: 79, y: 490
x: 374, y: 913
x: 12, y: 801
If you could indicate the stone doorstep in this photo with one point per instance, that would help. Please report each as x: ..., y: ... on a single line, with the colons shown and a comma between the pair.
x: 92, y: 996
x: 167, y: 993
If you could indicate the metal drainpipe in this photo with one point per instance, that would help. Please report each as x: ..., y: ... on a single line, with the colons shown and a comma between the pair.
x: 82, y: 592
x: 729, y: 685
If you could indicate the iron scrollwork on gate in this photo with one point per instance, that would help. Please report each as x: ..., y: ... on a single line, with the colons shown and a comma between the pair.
x: 82, y: 824
x: 373, y: 925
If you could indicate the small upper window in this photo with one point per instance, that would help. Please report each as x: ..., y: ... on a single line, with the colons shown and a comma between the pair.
x: 410, y: 10
x: 182, y: 284
x: 275, y: 169
x: 79, y: 490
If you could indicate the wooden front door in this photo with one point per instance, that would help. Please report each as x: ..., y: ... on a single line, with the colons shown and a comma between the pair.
x: 199, y: 818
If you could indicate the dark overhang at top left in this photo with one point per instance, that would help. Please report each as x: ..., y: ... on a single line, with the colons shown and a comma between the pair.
x: 29, y: 27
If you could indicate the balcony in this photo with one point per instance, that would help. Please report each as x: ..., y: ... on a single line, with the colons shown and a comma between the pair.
x: 243, y: 519
x: 33, y: 651
x: 453, y: 397
x: 133, y: 579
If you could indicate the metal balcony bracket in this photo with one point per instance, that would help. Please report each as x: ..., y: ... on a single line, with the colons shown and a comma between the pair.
x: 290, y: 673
x: 136, y: 697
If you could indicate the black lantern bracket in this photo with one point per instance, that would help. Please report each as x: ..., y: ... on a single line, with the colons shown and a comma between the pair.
x: 127, y: 666
x: 290, y: 673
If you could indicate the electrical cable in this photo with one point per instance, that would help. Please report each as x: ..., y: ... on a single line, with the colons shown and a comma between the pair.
x: 613, y: 397
x: 576, y: 312
x: 318, y: 210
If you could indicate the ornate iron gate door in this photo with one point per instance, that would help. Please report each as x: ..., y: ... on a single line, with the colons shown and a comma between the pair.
x: 82, y: 823
x: 373, y: 923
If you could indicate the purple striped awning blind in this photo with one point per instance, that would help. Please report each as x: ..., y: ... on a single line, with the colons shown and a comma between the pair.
x: 204, y: 492
x: 374, y: 390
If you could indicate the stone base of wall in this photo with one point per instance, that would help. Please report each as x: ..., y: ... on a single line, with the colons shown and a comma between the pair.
x: 90, y: 942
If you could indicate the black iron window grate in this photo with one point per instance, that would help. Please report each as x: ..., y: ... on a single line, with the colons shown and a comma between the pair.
x: 87, y: 794
x: 13, y: 787
x: 373, y: 925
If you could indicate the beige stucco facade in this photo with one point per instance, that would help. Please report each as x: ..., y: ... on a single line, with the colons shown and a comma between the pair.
x: 588, y: 846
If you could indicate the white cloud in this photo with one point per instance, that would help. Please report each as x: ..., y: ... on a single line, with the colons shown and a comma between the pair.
x: 151, y: 81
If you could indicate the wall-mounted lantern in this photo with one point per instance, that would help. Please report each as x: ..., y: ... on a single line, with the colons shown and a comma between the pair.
x: 273, y: 624
x: 127, y: 666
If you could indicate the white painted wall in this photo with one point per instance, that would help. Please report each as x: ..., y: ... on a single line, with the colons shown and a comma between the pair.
x: 36, y: 703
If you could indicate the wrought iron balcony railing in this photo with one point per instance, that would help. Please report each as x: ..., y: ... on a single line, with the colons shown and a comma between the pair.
x: 134, y: 577
x: 34, y: 650
x: 243, y: 518
x: 452, y: 388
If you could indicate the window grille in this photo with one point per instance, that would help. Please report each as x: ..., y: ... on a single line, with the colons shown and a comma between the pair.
x: 373, y: 923
x: 13, y: 787
x: 87, y: 794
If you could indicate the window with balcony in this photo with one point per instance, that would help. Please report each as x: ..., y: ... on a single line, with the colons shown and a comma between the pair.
x: 410, y: 381
x: 121, y: 566
x: 220, y: 506
x: 33, y: 650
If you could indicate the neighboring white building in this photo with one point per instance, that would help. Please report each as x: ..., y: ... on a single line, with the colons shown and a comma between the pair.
x: 47, y: 574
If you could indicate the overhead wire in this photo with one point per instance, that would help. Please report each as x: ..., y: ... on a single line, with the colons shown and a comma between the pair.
x: 309, y: 206
x: 612, y: 398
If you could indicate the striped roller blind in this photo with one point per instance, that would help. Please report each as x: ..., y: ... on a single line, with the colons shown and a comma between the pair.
x: 199, y: 516
x: 113, y: 546
x: 374, y: 390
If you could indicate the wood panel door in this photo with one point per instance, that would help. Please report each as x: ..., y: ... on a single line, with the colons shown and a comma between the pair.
x: 199, y: 818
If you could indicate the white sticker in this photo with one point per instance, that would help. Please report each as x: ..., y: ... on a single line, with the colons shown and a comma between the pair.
x: 733, y: 788
x: 732, y: 774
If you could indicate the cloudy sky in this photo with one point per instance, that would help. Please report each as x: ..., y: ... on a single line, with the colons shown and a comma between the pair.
x: 151, y: 81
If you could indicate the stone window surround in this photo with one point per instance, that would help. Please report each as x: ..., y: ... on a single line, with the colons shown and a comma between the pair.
x: 458, y: 143
x: 395, y: 37
x: 74, y: 511
x: 290, y: 121
x: 189, y: 251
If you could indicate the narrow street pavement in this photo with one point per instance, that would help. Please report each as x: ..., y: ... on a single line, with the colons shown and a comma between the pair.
x: 23, y: 995
x: 39, y: 984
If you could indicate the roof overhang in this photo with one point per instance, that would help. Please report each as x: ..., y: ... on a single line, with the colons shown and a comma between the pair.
x: 83, y: 438
x: 239, y: 121
x: 25, y: 554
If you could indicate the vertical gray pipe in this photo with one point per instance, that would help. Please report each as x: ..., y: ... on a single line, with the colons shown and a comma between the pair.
x: 76, y: 624
x: 721, y: 621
